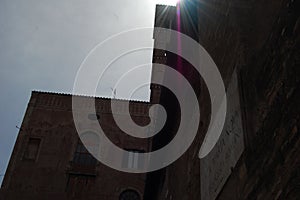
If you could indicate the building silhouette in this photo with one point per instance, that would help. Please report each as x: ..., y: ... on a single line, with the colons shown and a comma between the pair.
x: 255, y: 45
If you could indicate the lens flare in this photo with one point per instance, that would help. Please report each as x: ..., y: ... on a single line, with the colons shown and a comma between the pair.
x: 167, y: 2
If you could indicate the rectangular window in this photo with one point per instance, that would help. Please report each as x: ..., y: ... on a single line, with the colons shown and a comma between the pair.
x: 32, y: 149
x: 83, y: 157
x: 131, y: 159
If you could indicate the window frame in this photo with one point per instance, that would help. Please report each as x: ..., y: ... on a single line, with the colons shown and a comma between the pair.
x: 27, y: 146
x: 82, y: 157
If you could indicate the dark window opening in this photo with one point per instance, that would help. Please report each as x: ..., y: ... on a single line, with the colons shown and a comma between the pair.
x: 130, y: 195
x: 82, y: 157
x: 32, y: 149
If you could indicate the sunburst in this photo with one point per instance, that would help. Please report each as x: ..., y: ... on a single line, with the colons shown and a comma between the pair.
x: 167, y: 2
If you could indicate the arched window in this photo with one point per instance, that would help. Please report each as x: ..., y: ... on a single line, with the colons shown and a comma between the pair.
x: 130, y: 195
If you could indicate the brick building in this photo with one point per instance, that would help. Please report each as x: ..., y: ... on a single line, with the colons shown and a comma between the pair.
x: 255, y: 45
x: 49, y: 160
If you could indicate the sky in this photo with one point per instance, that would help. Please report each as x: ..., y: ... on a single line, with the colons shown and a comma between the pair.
x: 43, y: 43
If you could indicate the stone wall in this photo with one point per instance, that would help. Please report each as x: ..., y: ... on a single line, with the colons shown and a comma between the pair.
x: 270, y: 165
x: 260, y: 41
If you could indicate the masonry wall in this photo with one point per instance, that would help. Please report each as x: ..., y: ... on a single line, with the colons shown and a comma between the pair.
x: 270, y: 165
x: 53, y: 175
x: 182, y: 179
x: 260, y: 41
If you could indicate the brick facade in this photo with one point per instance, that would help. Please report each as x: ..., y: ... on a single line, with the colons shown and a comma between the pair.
x: 52, y: 172
x: 255, y: 45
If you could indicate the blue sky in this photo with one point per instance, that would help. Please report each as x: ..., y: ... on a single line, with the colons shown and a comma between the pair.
x: 43, y: 43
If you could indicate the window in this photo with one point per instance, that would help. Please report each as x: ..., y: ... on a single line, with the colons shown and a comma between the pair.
x: 82, y: 156
x: 84, y: 165
x: 129, y: 195
x: 131, y: 159
x: 32, y: 149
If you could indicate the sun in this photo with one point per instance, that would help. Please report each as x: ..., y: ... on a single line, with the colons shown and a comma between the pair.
x: 168, y: 2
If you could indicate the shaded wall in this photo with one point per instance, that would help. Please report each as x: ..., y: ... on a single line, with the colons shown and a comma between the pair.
x: 52, y: 173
